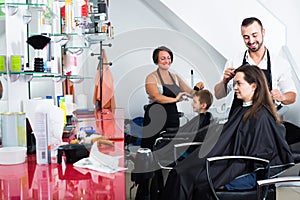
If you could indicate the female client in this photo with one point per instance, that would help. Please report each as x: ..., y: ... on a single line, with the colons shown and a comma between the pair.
x: 253, y: 129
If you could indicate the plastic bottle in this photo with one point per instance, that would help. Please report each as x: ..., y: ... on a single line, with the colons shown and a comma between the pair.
x: 68, y: 16
x: 62, y: 105
x: 42, y: 134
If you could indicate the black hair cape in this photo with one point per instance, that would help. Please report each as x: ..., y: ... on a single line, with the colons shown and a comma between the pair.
x: 260, y: 136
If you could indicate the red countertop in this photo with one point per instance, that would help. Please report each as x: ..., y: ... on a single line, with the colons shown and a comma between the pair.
x: 64, y: 181
x: 53, y: 181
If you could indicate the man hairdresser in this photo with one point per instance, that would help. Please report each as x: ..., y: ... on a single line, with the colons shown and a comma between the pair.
x: 276, y: 68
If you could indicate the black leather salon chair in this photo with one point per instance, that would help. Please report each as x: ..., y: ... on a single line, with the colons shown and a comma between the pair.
x: 293, y: 139
x: 172, y: 146
x: 168, y: 151
x: 239, y: 195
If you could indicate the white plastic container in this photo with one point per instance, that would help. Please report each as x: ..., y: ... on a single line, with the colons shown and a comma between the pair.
x: 13, y: 129
x: 12, y: 155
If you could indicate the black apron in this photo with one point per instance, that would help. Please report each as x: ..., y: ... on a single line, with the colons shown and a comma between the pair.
x: 172, y: 118
x: 237, y: 102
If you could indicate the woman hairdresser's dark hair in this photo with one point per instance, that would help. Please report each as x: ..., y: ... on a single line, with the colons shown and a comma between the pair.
x: 261, y: 96
x: 156, y: 52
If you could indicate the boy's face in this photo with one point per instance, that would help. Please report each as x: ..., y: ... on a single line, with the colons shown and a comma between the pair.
x: 197, y: 106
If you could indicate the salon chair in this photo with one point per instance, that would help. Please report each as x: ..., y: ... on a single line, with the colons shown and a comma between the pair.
x: 172, y: 147
x: 295, y: 148
x: 287, y: 187
x: 266, y: 187
x: 293, y: 139
x: 168, y: 151
x: 244, y: 194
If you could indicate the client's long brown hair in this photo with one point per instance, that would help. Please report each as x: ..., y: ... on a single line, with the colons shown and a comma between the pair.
x: 261, y: 96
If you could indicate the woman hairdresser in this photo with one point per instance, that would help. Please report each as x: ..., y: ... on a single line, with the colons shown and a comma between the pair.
x: 164, y: 89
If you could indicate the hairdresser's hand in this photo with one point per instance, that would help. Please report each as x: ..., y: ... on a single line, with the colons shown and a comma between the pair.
x: 277, y: 96
x: 183, y: 96
x: 199, y: 86
x: 228, y: 74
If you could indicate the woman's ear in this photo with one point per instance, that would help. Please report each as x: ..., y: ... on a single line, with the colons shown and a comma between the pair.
x: 253, y: 86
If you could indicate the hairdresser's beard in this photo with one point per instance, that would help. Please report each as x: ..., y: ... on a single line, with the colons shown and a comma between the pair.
x: 254, y: 47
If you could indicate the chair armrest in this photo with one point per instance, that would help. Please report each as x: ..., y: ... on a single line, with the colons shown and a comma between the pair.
x: 157, y: 146
x: 288, y: 181
x: 184, y: 144
x: 187, y: 144
x: 167, y: 139
x: 272, y: 181
x: 219, y: 158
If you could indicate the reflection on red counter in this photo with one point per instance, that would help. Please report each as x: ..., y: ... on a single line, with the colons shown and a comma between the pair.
x: 64, y: 181
x: 106, y: 122
x: 14, y: 181
x: 54, y: 181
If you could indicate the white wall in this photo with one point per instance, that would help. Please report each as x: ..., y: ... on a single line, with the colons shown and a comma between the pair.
x: 288, y: 14
x: 217, y: 22
x: 203, y: 37
x: 138, y: 31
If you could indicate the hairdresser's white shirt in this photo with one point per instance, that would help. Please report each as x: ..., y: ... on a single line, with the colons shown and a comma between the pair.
x: 280, y: 70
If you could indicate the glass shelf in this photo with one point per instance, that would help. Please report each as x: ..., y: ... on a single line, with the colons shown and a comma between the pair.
x: 34, y: 6
x: 29, y: 75
x: 73, y: 78
x: 77, y: 42
x: 77, y: 77
x: 56, y: 37
x: 95, y: 38
x: 29, y: 72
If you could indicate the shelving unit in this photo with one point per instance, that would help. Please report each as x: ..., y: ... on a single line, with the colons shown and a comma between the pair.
x: 22, y: 21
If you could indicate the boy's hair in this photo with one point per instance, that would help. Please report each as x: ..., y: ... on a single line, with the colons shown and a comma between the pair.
x: 204, y: 96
